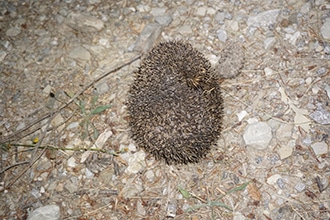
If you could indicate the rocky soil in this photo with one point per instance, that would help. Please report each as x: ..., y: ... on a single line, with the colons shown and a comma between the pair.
x: 66, y: 152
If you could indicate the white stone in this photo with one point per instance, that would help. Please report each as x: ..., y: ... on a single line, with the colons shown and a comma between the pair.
x: 3, y: 54
x: 309, y: 80
x: 293, y: 38
x: 213, y: 59
x: 80, y: 53
x: 286, y: 150
x: 327, y: 89
x: 135, y: 162
x: 201, y: 11
x: 132, y: 147
x: 88, y: 173
x: 47, y: 89
x: 233, y: 25
x: 320, y: 148
x: 241, y: 115
x: 258, y: 135
x: 14, y: 31
x: 84, y: 22
x: 252, y: 120
x: 20, y: 126
x: 143, y: 8
x: 268, y: 71
x: 72, y: 125
x: 48, y: 212
x: 58, y: 120
x: 157, y: 11
x: 150, y: 175
x: 273, y: 179
x: 264, y: 19
x: 211, y: 11
x: 305, y: 8
x: 72, y: 162
x: 238, y: 216
x: 284, y: 132
x: 102, y: 138
x: 222, y: 35
x: 185, y: 29
x: 269, y: 42
x: 84, y: 156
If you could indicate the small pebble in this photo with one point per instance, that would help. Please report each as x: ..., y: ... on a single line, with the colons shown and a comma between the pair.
x: 325, y: 29
x: 222, y: 35
x: 280, y: 183
x: 72, y: 125
x: 268, y: 71
x: 12, y: 32
x: 48, y: 212
x: 258, y: 135
x: 72, y: 162
x: 300, y: 187
x: 88, y: 173
x: 320, y: 148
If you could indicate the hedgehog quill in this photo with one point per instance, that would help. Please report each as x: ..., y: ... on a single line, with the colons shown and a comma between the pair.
x: 175, y: 104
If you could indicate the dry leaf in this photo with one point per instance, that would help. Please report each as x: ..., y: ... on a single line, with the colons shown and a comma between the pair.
x: 254, y: 192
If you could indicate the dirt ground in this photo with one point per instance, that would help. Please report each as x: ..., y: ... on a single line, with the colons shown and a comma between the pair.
x: 66, y: 67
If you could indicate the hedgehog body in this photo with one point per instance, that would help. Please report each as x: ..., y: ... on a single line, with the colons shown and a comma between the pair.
x: 175, y: 104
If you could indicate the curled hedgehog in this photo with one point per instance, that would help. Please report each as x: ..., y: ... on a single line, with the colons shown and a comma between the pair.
x: 175, y: 105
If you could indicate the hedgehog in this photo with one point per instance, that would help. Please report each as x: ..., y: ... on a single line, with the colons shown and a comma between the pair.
x: 175, y: 104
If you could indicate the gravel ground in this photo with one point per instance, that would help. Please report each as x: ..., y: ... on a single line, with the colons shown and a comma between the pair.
x: 66, y: 152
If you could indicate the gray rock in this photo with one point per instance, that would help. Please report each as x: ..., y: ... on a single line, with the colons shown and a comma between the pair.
x: 231, y: 60
x: 300, y: 187
x: 222, y: 35
x: 3, y: 54
x: 325, y: 29
x: 327, y: 89
x: 102, y: 87
x: 264, y: 19
x: 201, y: 11
x: 185, y: 30
x: 80, y: 53
x: 220, y: 17
x: 320, y: 148
x: 72, y: 125
x: 322, y: 70
x: 48, y: 212
x: 84, y: 22
x: 320, y: 115
x: 88, y: 173
x: 163, y: 20
x: 44, y: 165
x: 157, y: 11
x: 135, y: 161
x: 147, y: 37
x: 305, y: 8
x: 171, y: 209
x: 258, y: 135
x: 12, y: 32
x: 284, y: 132
x: 35, y: 193
x: 269, y: 42
x: 71, y: 185
x: 280, y: 183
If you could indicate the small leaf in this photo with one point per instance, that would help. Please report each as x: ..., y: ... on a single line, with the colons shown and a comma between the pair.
x: 254, y: 192
x: 184, y: 192
x: 82, y: 107
x: 100, y: 109
x: 238, y: 188
x: 220, y: 204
